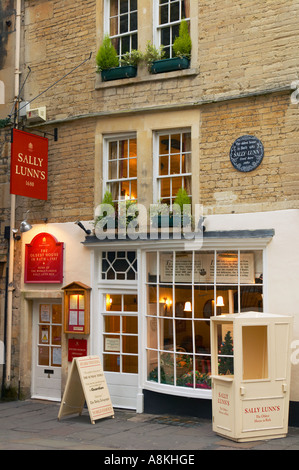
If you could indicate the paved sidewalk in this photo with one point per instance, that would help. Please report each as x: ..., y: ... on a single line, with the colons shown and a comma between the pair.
x: 33, y: 425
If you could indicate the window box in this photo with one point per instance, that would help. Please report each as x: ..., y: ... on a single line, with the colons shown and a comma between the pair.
x: 171, y: 220
x: 168, y: 65
x: 116, y: 73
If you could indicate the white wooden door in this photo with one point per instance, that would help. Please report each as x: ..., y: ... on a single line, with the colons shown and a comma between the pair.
x: 120, y: 347
x: 46, y: 353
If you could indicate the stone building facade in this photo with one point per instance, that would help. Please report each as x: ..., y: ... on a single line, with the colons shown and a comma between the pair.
x: 242, y: 81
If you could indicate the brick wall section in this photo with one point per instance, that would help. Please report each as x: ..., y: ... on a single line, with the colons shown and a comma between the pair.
x: 247, y: 44
x: 71, y: 177
x: 242, y: 46
x: 274, y: 184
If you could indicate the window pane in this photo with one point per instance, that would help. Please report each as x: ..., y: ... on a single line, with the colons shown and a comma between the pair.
x: 133, y: 21
x: 124, y: 6
x: 166, y: 334
x: 113, y: 26
x: 112, y: 324
x: 184, y: 366
x: 163, y: 166
x: 163, y: 14
x: 226, y: 299
x: 167, y: 368
x: 43, y: 355
x: 130, y: 344
x: 184, y: 336
x: 111, y: 363
x: 225, y: 349
x: 152, y: 365
x: 130, y: 303
x: 165, y: 188
x: 132, y: 168
x: 115, y: 301
x: 203, y: 301
x: 175, y: 164
x: 251, y: 298
x: 227, y: 267
x: 174, y: 11
x: 56, y: 313
x: 130, y: 324
x: 56, y: 335
x: 130, y: 364
x: 165, y: 301
x: 202, y: 337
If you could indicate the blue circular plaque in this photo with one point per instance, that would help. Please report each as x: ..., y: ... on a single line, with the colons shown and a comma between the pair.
x: 246, y: 153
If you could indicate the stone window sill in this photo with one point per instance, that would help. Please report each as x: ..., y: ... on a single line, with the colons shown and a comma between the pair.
x: 143, y: 77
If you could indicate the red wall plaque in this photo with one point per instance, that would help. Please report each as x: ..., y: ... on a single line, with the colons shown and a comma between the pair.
x: 29, y: 165
x: 44, y: 260
x: 77, y: 348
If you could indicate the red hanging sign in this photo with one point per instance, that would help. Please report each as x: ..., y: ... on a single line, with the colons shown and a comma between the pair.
x: 29, y: 165
x: 44, y: 260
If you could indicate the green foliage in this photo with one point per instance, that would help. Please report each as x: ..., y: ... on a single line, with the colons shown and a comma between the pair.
x: 153, y: 53
x: 182, y: 199
x: 106, y: 57
x: 182, y: 44
x: 107, y: 199
x: 131, y: 58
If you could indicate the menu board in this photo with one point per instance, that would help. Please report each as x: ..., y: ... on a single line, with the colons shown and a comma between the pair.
x: 86, y: 383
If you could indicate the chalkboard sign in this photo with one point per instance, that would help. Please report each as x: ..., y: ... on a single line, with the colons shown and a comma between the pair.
x: 86, y: 383
x: 246, y: 153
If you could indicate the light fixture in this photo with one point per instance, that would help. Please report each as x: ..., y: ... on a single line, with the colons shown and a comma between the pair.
x: 88, y: 232
x: 108, y: 302
x: 14, y: 234
x: 219, y: 301
x: 187, y: 307
x: 25, y: 226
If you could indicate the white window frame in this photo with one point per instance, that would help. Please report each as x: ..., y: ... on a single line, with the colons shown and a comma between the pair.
x: 157, y: 177
x: 180, y: 390
x: 107, y: 24
x: 106, y: 141
x: 157, y: 27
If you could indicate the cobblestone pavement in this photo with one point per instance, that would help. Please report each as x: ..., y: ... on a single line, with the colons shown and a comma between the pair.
x: 33, y: 425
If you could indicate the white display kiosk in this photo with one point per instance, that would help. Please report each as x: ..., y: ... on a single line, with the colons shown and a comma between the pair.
x: 251, y: 375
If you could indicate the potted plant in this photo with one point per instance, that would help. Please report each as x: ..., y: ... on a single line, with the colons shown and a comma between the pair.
x: 182, y: 199
x: 182, y: 52
x: 107, y: 211
x: 108, y: 63
x: 159, y: 215
x: 152, y: 55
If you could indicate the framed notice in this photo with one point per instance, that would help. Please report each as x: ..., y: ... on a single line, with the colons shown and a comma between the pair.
x: 86, y: 382
x: 43, y: 260
x: 204, y: 268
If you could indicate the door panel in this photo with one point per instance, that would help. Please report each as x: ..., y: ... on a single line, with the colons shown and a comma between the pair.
x: 120, y: 347
x: 46, y: 354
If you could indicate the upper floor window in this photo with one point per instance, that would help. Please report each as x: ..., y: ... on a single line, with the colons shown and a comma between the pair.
x: 122, y: 16
x: 171, y: 13
x: 173, y: 162
x: 121, y: 167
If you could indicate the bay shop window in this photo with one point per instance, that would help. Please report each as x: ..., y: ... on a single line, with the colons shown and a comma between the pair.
x: 184, y: 289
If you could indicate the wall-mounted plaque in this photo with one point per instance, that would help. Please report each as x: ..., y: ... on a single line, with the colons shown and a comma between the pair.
x: 44, y: 260
x: 246, y: 153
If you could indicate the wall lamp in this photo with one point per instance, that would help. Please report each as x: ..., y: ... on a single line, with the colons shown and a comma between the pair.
x: 88, y: 232
x: 24, y: 227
